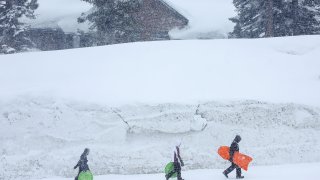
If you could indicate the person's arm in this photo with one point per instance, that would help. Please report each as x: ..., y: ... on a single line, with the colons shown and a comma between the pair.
x: 233, y: 148
x: 76, y: 166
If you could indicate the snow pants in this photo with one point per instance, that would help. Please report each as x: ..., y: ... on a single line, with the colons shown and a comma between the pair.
x: 232, y: 167
x: 178, y: 175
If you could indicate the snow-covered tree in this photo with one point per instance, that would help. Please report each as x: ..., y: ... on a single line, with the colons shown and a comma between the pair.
x: 305, y: 19
x: 253, y: 19
x: 12, y: 31
x: 272, y: 18
x: 113, y: 20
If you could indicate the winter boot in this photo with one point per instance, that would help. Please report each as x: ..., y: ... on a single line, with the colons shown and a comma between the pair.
x: 167, y: 177
x: 240, y: 177
x: 225, y: 174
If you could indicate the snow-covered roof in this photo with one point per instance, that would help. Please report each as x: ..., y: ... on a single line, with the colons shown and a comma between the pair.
x: 207, y: 18
x: 60, y: 13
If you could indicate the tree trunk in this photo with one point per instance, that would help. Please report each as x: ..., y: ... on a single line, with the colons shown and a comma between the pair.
x: 294, y: 15
x: 269, y: 24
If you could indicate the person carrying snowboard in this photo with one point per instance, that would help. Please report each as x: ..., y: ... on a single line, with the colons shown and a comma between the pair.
x: 177, y: 163
x: 234, y: 148
x: 82, y: 163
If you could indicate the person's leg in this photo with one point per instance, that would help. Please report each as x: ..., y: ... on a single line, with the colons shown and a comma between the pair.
x: 239, y: 173
x: 76, y: 178
x: 169, y: 175
x: 229, y: 170
x: 179, y: 175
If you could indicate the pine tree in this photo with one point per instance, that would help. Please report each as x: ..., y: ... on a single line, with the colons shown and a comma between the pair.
x: 269, y: 9
x: 246, y: 19
x: 253, y: 19
x: 273, y: 18
x: 12, y: 31
x: 307, y: 20
x: 113, y: 20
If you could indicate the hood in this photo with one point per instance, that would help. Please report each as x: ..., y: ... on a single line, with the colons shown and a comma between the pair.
x: 237, y: 139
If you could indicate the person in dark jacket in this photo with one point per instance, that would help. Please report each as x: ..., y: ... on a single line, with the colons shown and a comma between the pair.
x: 177, y: 163
x: 83, y: 162
x: 234, y: 148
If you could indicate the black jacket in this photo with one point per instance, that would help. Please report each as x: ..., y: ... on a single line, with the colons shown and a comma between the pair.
x: 234, y: 147
x: 82, y: 164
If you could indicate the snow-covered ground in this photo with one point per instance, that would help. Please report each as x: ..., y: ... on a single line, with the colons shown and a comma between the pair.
x: 45, y: 137
x: 132, y: 103
x: 292, y: 172
x: 274, y: 70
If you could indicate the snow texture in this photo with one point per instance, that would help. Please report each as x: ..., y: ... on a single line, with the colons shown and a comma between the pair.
x: 283, y: 70
x: 132, y: 103
x: 292, y: 172
x: 45, y: 137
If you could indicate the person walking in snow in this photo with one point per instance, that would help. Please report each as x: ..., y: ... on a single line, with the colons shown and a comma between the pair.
x: 234, y: 148
x: 177, y: 163
x: 83, y: 162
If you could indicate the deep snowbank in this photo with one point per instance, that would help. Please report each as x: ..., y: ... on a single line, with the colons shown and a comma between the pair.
x: 292, y: 172
x: 275, y: 70
x: 132, y: 103
x: 45, y: 137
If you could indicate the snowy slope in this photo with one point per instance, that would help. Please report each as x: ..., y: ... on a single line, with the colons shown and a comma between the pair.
x: 275, y: 70
x: 292, y: 172
x: 132, y: 103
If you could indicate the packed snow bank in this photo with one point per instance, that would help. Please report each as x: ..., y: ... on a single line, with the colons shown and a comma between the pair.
x: 132, y: 103
x: 292, y: 172
x: 281, y: 70
x: 44, y: 137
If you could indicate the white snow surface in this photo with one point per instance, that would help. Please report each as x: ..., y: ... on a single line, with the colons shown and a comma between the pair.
x: 45, y: 137
x: 292, y: 172
x: 132, y: 103
x: 275, y: 70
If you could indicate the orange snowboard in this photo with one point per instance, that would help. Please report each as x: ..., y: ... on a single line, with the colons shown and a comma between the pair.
x: 239, y: 159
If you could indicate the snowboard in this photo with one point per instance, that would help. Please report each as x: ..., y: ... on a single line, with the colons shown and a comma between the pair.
x: 239, y: 159
x: 85, y: 175
x: 169, y: 168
